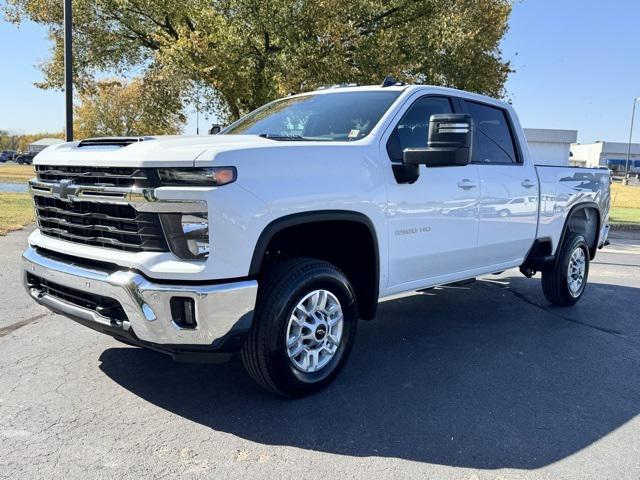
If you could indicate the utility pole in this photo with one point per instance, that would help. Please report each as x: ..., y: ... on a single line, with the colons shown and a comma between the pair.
x: 68, y: 71
x: 198, y: 92
x: 633, y: 115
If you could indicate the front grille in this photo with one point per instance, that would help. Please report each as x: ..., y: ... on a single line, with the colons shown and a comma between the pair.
x: 105, y: 306
x: 100, y: 224
x: 104, y: 176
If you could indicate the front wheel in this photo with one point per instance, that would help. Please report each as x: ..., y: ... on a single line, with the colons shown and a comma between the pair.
x: 303, y: 328
x: 563, y: 283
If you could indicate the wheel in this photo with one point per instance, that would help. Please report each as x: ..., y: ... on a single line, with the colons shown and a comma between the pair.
x: 303, y: 328
x: 563, y: 284
x: 504, y: 213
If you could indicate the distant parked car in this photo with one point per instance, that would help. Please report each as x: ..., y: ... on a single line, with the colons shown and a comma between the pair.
x: 25, y: 158
x: 7, y: 155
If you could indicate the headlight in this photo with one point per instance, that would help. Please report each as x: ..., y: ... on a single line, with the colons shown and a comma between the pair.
x: 187, y: 234
x: 197, y: 177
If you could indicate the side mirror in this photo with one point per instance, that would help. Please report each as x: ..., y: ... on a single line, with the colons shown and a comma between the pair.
x: 448, y: 145
x: 215, y: 129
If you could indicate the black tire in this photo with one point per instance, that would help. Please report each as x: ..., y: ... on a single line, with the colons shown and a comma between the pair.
x: 555, y: 279
x: 264, y: 353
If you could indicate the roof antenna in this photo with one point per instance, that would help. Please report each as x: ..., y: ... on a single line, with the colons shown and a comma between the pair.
x: 389, y: 81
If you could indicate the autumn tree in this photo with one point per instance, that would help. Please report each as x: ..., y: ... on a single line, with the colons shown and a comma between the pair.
x: 20, y: 141
x: 120, y: 108
x: 9, y: 141
x: 251, y: 51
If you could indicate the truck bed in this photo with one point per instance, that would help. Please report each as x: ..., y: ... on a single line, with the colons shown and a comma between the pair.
x: 563, y: 188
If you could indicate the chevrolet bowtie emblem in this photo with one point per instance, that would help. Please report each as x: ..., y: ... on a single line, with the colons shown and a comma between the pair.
x: 62, y: 189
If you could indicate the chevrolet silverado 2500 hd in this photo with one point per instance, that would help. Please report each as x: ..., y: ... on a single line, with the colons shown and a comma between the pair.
x: 273, y: 237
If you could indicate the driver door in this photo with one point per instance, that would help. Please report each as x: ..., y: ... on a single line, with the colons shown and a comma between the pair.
x: 433, y: 223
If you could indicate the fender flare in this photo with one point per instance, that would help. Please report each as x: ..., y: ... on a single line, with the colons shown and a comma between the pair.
x: 301, y: 218
x: 572, y: 211
x: 315, y: 216
x: 543, y: 251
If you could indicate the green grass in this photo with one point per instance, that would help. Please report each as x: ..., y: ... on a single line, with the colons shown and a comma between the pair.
x: 625, y: 204
x: 16, y: 211
x: 16, y: 173
x: 624, y: 215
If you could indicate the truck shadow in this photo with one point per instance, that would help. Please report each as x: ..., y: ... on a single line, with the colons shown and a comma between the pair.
x: 485, y: 376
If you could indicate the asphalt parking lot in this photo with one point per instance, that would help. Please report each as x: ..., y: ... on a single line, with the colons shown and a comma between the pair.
x: 477, y: 382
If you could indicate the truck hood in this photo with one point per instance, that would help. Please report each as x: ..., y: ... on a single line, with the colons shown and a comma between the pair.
x: 168, y: 151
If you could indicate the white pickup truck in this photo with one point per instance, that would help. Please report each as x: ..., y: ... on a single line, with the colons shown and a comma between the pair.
x: 273, y: 237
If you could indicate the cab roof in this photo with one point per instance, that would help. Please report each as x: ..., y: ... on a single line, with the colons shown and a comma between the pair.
x: 399, y: 88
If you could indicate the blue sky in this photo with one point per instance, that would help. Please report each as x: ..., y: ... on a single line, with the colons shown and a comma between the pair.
x: 577, y: 67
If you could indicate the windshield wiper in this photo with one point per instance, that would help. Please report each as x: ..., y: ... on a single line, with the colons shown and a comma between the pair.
x: 283, y: 138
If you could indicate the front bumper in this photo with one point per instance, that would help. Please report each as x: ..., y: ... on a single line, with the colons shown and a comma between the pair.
x: 223, y: 311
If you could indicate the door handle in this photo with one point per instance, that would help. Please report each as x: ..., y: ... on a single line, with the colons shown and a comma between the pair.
x: 466, y: 184
x: 528, y: 183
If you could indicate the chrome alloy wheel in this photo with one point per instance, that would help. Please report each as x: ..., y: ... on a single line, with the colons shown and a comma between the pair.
x: 575, y: 275
x: 314, y: 331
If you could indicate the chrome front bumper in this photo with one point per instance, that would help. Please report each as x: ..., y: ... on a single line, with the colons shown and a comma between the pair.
x: 221, y: 309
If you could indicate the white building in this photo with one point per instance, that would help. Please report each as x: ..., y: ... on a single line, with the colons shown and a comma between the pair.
x: 607, y: 154
x: 550, y: 147
x: 39, y: 145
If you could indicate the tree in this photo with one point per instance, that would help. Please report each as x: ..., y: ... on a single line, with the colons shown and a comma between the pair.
x: 120, y: 108
x: 8, y: 141
x: 20, y: 142
x: 251, y: 51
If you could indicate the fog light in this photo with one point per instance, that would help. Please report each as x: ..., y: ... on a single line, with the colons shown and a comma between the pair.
x: 183, y: 312
x: 196, y: 231
x: 187, y: 234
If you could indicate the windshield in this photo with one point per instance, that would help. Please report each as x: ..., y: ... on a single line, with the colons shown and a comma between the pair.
x: 343, y: 116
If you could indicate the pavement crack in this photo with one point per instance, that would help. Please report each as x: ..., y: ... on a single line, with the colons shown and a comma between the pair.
x: 553, y: 312
x: 22, y: 323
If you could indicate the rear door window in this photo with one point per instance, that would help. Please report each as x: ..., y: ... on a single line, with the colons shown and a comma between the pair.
x: 493, y: 139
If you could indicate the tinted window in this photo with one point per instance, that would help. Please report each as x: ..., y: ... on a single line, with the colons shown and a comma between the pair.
x: 413, y: 128
x: 492, y: 141
x: 331, y: 116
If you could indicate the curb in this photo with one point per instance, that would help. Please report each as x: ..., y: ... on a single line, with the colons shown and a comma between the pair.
x: 635, y: 227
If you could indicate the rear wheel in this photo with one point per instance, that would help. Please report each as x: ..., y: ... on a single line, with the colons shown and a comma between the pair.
x: 303, y: 327
x: 563, y: 284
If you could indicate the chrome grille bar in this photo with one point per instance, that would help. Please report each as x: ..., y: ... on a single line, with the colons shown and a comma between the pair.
x: 143, y: 199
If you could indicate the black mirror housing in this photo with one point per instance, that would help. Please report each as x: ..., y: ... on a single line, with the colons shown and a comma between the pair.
x: 215, y: 129
x: 449, y: 143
